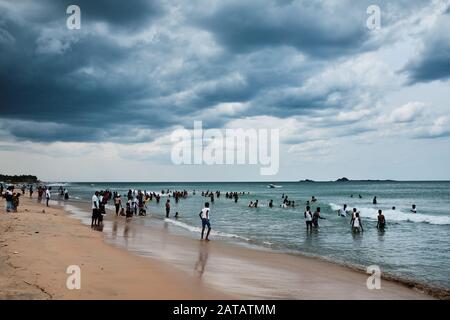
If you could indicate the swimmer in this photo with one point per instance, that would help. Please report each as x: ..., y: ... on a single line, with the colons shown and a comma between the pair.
x: 343, y: 212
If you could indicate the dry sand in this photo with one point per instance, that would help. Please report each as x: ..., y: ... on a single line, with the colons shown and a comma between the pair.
x: 36, y: 248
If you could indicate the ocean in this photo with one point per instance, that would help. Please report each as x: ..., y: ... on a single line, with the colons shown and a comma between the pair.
x: 413, y: 246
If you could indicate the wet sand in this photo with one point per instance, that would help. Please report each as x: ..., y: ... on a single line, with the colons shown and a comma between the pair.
x: 158, y: 264
x: 36, y: 248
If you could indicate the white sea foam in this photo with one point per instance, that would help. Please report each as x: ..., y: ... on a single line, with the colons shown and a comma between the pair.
x: 398, y: 215
x: 56, y: 184
x: 198, y: 230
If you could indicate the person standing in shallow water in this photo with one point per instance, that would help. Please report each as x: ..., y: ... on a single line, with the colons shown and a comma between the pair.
x: 204, y: 215
x: 381, y: 220
x: 47, y: 195
x: 167, y: 208
x: 95, y: 202
x: 316, y: 217
x: 357, y: 224
x: 117, y: 203
x: 308, y: 218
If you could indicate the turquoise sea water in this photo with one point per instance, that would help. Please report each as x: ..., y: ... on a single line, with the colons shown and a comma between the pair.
x: 413, y: 246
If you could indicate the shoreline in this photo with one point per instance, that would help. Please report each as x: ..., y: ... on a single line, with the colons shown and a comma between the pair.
x: 434, y: 291
x: 311, y: 273
x: 38, y: 244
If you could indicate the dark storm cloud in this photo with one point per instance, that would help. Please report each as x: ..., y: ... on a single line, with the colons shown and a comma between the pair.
x: 129, y: 14
x: 122, y: 14
x: 42, y: 78
x: 311, y: 27
x: 90, y: 85
x: 434, y: 65
x: 433, y: 61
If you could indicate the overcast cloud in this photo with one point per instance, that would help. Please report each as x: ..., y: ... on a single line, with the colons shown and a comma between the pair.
x: 115, y: 89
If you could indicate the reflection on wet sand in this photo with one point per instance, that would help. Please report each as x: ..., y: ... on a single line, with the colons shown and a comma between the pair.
x: 114, y: 229
x: 242, y: 272
x: 202, y: 259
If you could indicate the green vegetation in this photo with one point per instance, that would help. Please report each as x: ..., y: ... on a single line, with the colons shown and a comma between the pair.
x: 17, y: 179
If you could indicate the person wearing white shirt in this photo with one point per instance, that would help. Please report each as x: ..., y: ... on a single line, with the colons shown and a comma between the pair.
x: 95, y: 209
x: 48, y: 195
x: 308, y: 218
x: 204, y: 215
x: 357, y: 224
x: 343, y: 212
x: 9, y: 199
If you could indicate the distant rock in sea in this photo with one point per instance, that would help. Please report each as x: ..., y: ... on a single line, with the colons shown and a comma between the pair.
x: 307, y: 180
x: 344, y: 179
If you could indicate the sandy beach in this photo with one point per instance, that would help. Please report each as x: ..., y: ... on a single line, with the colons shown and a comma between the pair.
x: 37, y: 247
x: 37, y: 244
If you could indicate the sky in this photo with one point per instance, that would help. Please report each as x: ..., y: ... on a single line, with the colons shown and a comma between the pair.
x: 102, y: 102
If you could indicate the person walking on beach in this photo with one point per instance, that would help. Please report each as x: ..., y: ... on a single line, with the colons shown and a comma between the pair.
x: 15, y: 201
x: 357, y: 224
x: 9, y: 199
x: 95, y: 209
x: 47, y: 195
x: 316, y: 217
x: 381, y: 220
x: 167, y: 208
x: 308, y: 218
x: 31, y: 191
x: 204, y: 215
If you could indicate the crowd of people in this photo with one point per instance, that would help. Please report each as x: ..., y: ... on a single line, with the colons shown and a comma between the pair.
x: 137, y: 201
x: 12, y: 198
